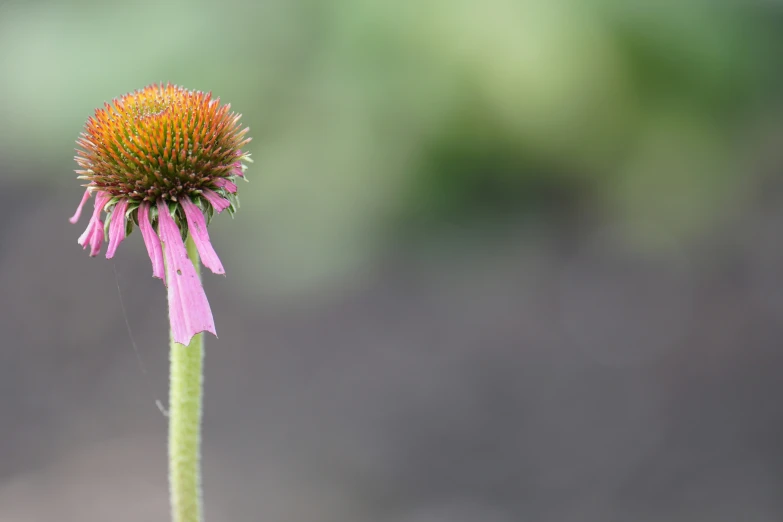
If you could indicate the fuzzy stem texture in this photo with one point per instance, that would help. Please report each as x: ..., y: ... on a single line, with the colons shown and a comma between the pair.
x: 185, y: 400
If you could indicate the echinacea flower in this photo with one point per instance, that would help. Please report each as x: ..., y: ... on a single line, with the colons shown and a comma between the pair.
x: 165, y: 159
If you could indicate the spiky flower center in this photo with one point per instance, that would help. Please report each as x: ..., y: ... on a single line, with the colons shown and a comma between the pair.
x: 162, y: 142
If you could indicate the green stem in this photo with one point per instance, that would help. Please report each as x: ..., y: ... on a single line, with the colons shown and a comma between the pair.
x: 185, y: 397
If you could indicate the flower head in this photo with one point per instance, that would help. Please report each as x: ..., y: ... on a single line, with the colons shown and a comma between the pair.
x: 165, y: 159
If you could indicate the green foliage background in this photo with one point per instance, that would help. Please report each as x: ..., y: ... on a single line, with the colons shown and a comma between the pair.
x: 375, y: 122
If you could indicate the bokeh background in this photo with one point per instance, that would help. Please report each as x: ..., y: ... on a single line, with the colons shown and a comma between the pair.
x: 498, y: 261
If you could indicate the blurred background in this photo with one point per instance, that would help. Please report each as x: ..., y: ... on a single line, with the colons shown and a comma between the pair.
x: 498, y: 261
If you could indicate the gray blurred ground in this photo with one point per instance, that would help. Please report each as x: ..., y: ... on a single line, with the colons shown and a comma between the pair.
x: 508, y: 378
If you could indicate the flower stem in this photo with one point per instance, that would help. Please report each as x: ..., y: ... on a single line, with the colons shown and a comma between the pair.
x: 185, y: 398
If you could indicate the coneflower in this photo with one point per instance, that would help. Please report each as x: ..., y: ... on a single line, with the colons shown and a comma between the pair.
x: 166, y: 159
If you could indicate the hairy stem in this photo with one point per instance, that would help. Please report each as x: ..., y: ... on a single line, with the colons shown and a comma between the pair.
x: 185, y: 399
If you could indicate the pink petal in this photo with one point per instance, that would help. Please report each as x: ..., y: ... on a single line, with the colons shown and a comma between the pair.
x: 94, y: 233
x: 86, y: 236
x: 117, y: 227
x: 97, y: 239
x: 151, y: 241
x: 78, y: 213
x: 218, y: 202
x: 189, y: 311
x: 238, y: 170
x: 226, y: 184
x: 197, y: 227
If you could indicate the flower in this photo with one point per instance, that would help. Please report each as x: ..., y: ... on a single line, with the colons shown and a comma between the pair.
x: 165, y: 159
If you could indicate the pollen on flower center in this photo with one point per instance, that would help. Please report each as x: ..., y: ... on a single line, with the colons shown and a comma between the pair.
x: 161, y: 142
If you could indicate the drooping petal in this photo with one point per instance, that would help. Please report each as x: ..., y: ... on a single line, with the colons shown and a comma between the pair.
x: 189, y: 311
x: 86, y: 237
x: 151, y: 241
x: 227, y: 184
x: 93, y: 235
x: 96, y: 240
x: 218, y: 202
x: 116, y: 227
x: 238, y: 170
x: 197, y: 227
x: 78, y: 212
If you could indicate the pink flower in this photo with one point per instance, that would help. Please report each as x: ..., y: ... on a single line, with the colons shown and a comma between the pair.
x: 163, y: 158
